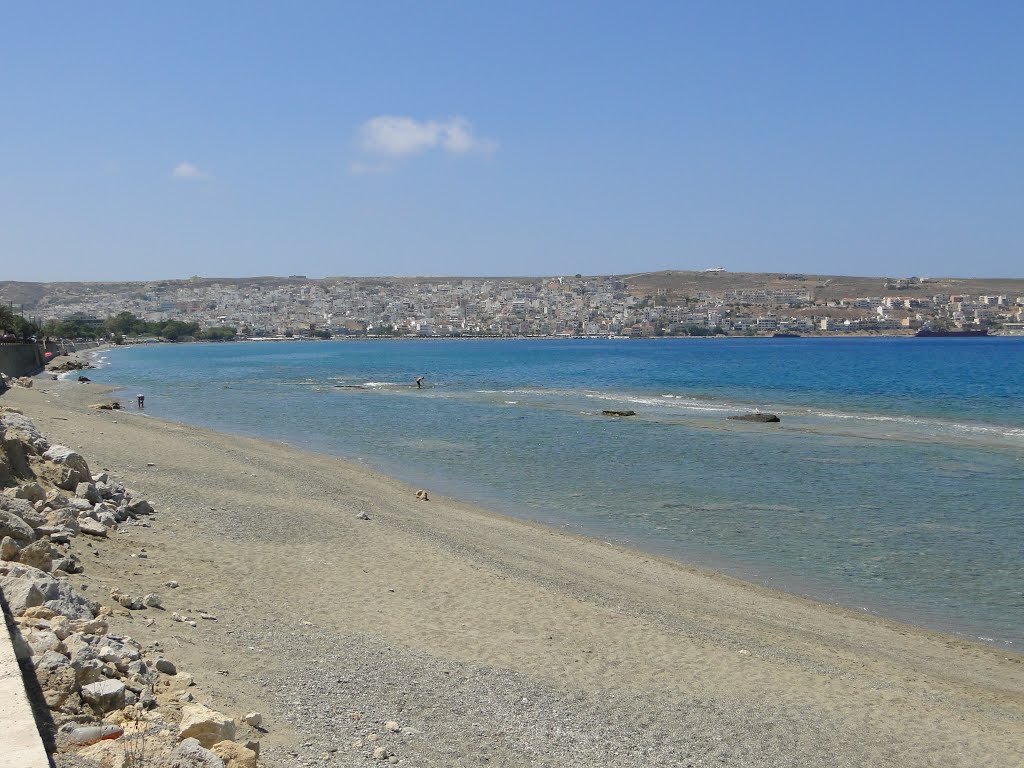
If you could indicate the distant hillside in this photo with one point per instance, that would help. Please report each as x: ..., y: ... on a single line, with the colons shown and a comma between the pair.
x: 822, y: 287
x: 674, y: 283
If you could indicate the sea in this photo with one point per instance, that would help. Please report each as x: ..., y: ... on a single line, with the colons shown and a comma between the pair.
x: 893, y: 484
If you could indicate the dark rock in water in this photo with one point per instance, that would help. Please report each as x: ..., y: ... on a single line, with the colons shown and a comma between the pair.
x: 763, y: 418
x: 619, y: 413
x: 84, y: 379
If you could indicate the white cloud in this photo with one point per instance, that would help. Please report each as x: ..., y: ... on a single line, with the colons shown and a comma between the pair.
x: 395, y: 136
x: 185, y: 170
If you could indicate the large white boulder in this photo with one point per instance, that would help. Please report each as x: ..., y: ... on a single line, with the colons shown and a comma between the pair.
x: 14, y: 426
x: 205, y: 725
x: 72, y: 468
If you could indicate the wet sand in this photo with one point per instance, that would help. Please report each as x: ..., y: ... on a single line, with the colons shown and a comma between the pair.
x: 496, y: 641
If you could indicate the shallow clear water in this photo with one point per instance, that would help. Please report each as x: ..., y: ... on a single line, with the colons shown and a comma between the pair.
x: 895, y: 482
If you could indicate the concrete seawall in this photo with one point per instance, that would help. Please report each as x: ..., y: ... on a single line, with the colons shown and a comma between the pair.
x: 20, y: 359
x: 20, y: 743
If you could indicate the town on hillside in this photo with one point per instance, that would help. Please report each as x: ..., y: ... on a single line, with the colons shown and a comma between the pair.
x: 667, y: 303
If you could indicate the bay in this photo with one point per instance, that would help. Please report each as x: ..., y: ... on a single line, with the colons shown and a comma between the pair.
x: 893, y: 484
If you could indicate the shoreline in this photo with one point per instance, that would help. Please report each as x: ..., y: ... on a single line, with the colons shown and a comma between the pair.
x: 449, y: 585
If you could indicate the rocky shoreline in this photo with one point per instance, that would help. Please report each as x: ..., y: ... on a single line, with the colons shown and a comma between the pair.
x: 111, y: 701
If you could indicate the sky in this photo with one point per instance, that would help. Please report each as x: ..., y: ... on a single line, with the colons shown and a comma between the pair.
x: 164, y: 140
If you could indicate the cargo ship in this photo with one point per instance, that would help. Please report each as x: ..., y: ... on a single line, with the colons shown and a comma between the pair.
x: 927, y: 332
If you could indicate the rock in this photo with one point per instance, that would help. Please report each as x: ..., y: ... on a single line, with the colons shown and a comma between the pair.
x: 89, y: 626
x: 55, y: 498
x: 422, y: 495
x: 40, y: 612
x: 254, y: 745
x: 24, y: 509
x: 92, y: 527
x: 15, y: 527
x: 184, y: 680
x: 9, y: 549
x: 50, y: 660
x: 166, y: 666
x: 63, y: 456
x: 60, y: 687
x: 88, y: 491
x: 104, y: 696
x: 234, y: 755
x: 40, y: 640
x: 253, y: 719
x: 205, y: 725
x: 14, y: 426
x: 25, y: 587
x: 147, y: 699
x: 190, y: 754
x: 126, y: 601
x: 20, y: 507
x: 362, y: 516
x: 152, y: 600
x: 70, y: 603
x: 171, y: 584
x: 37, y: 555
x: 140, y: 507
x: 69, y: 563
x: 81, y: 505
x: 31, y: 492
x: 619, y: 413
x: 763, y: 418
x: 392, y: 726
x: 63, y: 518
x: 380, y: 753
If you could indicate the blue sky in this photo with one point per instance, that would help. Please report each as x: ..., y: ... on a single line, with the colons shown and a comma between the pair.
x: 145, y: 140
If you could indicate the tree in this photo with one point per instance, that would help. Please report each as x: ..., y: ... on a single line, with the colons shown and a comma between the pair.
x: 127, y: 324
x: 220, y: 333
x: 6, y: 319
x: 25, y: 329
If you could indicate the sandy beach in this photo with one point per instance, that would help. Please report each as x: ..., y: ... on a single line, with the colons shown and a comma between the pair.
x: 493, y: 641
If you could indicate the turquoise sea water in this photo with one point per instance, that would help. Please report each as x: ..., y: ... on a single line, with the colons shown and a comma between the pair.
x: 894, y: 484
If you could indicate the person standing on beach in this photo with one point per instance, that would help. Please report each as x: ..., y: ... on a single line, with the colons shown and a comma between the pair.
x: 419, y: 382
x: 141, y: 400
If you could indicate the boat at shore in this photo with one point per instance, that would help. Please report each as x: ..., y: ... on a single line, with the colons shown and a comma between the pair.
x: 926, y: 332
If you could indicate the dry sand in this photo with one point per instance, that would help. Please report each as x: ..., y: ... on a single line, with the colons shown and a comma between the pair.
x: 493, y: 641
